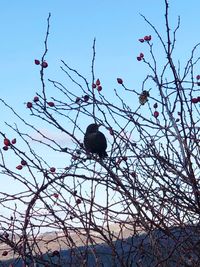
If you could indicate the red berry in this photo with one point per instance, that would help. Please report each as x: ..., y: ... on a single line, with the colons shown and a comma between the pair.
x: 86, y: 98
x: 51, y: 104
x: 78, y: 99
x: 78, y: 201
x: 198, y: 98
x: 198, y: 77
x: 147, y: 38
x: 5, y: 148
x: 55, y: 195
x: 14, y: 141
x: 119, y: 80
x: 98, y: 82
x: 19, y: 167
x: 111, y: 131
x: 94, y: 86
x: 139, y: 58
x: 155, y: 105
x: 141, y: 40
x: 5, y: 253
x: 44, y: 64
x: 29, y: 105
x: 99, y: 88
x: 125, y: 158
x: 52, y: 169
x: 141, y: 55
x: 36, y: 99
x: 23, y: 162
x: 6, y: 142
x: 37, y: 62
x: 194, y: 100
x: 156, y: 114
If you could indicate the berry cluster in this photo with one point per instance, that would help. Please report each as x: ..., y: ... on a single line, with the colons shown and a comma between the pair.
x: 35, y: 100
x: 84, y: 98
x: 43, y: 64
x: 146, y: 38
x: 8, y: 143
x: 97, y: 85
x: 156, y: 113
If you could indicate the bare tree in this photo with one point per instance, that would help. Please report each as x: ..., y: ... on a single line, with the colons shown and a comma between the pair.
x: 148, y: 186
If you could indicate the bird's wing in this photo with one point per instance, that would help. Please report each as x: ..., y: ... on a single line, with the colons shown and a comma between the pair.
x: 101, y: 139
x: 95, y: 142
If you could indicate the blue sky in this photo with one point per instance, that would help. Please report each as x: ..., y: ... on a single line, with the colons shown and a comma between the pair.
x: 116, y: 25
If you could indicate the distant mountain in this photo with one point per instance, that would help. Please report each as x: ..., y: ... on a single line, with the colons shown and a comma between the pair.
x: 176, y: 247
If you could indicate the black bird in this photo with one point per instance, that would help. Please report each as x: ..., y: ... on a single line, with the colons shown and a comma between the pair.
x: 95, y: 141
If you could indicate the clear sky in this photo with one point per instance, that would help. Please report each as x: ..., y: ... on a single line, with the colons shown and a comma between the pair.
x: 116, y: 24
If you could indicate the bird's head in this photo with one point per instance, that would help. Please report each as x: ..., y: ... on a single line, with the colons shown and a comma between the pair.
x: 93, y: 128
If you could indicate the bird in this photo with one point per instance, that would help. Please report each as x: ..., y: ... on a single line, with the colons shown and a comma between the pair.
x: 95, y: 141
